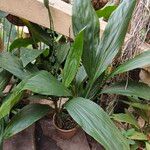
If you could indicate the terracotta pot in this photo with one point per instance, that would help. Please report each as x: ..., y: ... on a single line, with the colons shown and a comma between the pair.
x: 64, y: 134
x: 97, y: 4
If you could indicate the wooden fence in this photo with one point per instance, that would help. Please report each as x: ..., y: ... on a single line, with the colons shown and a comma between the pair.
x: 35, y: 11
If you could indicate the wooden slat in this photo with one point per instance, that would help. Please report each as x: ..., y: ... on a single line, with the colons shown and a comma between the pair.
x: 35, y: 11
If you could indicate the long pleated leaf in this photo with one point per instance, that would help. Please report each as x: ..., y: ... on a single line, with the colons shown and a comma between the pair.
x: 22, y: 42
x: 38, y: 33
x: 137, y: 62
x: 138, y: 105
x: 114, y: 35
x: 28, y: 55
x: 13, y: 64
x: 26, y: 117
x: 96, y: 123
x: 2, y: 126
x: 128, y: 118
x: 12, y: 99
x: 44, y: 83
x: 96, y: 60
x: 73, y: 60
x: 85, y: 16
x: 140, y: 90
x: 106, y: 11
x: 4, y: 79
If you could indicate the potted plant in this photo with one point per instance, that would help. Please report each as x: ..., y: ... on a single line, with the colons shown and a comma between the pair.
x: 65, y: 126
x: 85, y: 73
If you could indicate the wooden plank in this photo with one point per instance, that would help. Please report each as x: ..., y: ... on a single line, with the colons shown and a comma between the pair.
x: 35, y: 11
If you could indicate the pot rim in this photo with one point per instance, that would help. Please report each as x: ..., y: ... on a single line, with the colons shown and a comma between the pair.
x: 63, y: 130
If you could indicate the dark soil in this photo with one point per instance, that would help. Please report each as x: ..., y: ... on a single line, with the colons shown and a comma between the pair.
x: 64, y: 121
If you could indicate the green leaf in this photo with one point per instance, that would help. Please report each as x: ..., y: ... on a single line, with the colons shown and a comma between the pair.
x: 127, y: 118
x: 28, y: 55
x: 131, y: 89
x: 106, y: 11
x: 147, y: 145
x: 139, y: 105
x: 2, y: 126
x: 22, y: 42
x: 12, y: 64
x: 26, y: 117
x: 137, y: 62
x: 73, y: 60
x: 4, y: 79
x: 96, y: 58
x: 7, y: 26
x: 88, y: 19
x: 128, y: 132
x: 38, y: 33
x: 44, y: 83
x: 142, y: 113
x: 11, y: 99
x: 62, y: 51
x: 96, y: 123
x: 80, y: 76
x: 96, y: 88
x: 113, y: 36
x: 135, y: 135
x: 2, y: 14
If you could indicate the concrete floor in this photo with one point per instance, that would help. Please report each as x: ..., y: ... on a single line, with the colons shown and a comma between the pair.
x: 43, y: 136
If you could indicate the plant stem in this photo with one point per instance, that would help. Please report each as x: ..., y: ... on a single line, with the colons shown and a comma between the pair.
x: 9, y: 37
x: 59, y: 107
x: 18, y: 31
x: 21, y: 35
x: 4, y: 31
x: 51, y: 24
x: 55, y: 100
x: 89, y: 88
x: 55, y: 105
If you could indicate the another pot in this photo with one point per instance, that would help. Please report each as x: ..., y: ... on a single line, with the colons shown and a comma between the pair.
x: 64, y: 134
